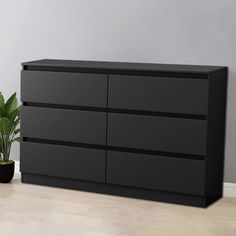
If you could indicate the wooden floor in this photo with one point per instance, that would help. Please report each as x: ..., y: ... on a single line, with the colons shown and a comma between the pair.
x: 35, y: 210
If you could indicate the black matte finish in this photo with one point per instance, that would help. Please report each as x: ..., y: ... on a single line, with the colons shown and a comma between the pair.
x: 216, y: 136
x: 123, y: 66
x: 147, y: 194
x: 65, y: 125
x: 64, y: 88
x: 149, y: 131
x: 62, y: 161
x: 157, y: 133
x: 153, y: 172
x: 176, y: 95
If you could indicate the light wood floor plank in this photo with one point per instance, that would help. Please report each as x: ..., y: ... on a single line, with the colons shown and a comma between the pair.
x: 40, y: 211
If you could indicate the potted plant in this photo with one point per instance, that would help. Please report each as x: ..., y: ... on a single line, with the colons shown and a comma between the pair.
x: 9, y: 133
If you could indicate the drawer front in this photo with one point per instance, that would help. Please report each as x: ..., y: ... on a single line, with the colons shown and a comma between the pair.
x: 157, y: 133
x: 174, y: 95
x: 63, y: 161
x: 64, y: 88
x: 156, y: 172
x: 64, y: 125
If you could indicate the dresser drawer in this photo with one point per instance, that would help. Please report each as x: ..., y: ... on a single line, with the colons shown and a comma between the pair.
x: 167, y: 134
x: 63, y: 161
x: 78, y: 89
x: 156, y: 172
x: 64, y: 125
x: 158, y: 94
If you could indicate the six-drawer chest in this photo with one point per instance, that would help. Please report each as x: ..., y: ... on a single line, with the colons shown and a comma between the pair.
x: 151, y: 131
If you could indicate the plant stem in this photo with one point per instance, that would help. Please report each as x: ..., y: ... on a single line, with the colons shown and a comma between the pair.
x: 2, y: 144
x: 5, y: 147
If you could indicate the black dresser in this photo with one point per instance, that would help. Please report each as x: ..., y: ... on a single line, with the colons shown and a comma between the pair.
x: 151, y: 131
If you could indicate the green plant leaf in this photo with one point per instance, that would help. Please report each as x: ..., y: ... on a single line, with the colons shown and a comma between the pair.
x: 13, y: 115
x: 11, y: 104
x: 17, y: 131
x: 1, y: 100
x: 16, y: 122
x: 9, y: 119
x: 5, y: 125
x: 18, y: 139
x: 3, y: 111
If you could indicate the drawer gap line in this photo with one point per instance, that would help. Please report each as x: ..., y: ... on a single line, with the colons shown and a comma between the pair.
x: 118, y: 149
x: 116, y: 110
x: 151, y: 73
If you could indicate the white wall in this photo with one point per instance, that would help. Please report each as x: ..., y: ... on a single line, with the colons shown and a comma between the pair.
x: 165, y: 31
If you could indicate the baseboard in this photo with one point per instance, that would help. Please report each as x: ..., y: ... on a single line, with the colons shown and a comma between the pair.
x: 17, y: 166
x: 229, y: 188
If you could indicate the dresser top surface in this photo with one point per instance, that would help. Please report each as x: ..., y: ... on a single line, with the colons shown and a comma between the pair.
x: 133, y: 66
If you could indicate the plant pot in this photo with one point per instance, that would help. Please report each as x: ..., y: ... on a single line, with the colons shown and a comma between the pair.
x: 7, y: 172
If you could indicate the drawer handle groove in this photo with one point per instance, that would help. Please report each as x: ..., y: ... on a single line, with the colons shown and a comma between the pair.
x: 112, y: 148
x: 115, y: 110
